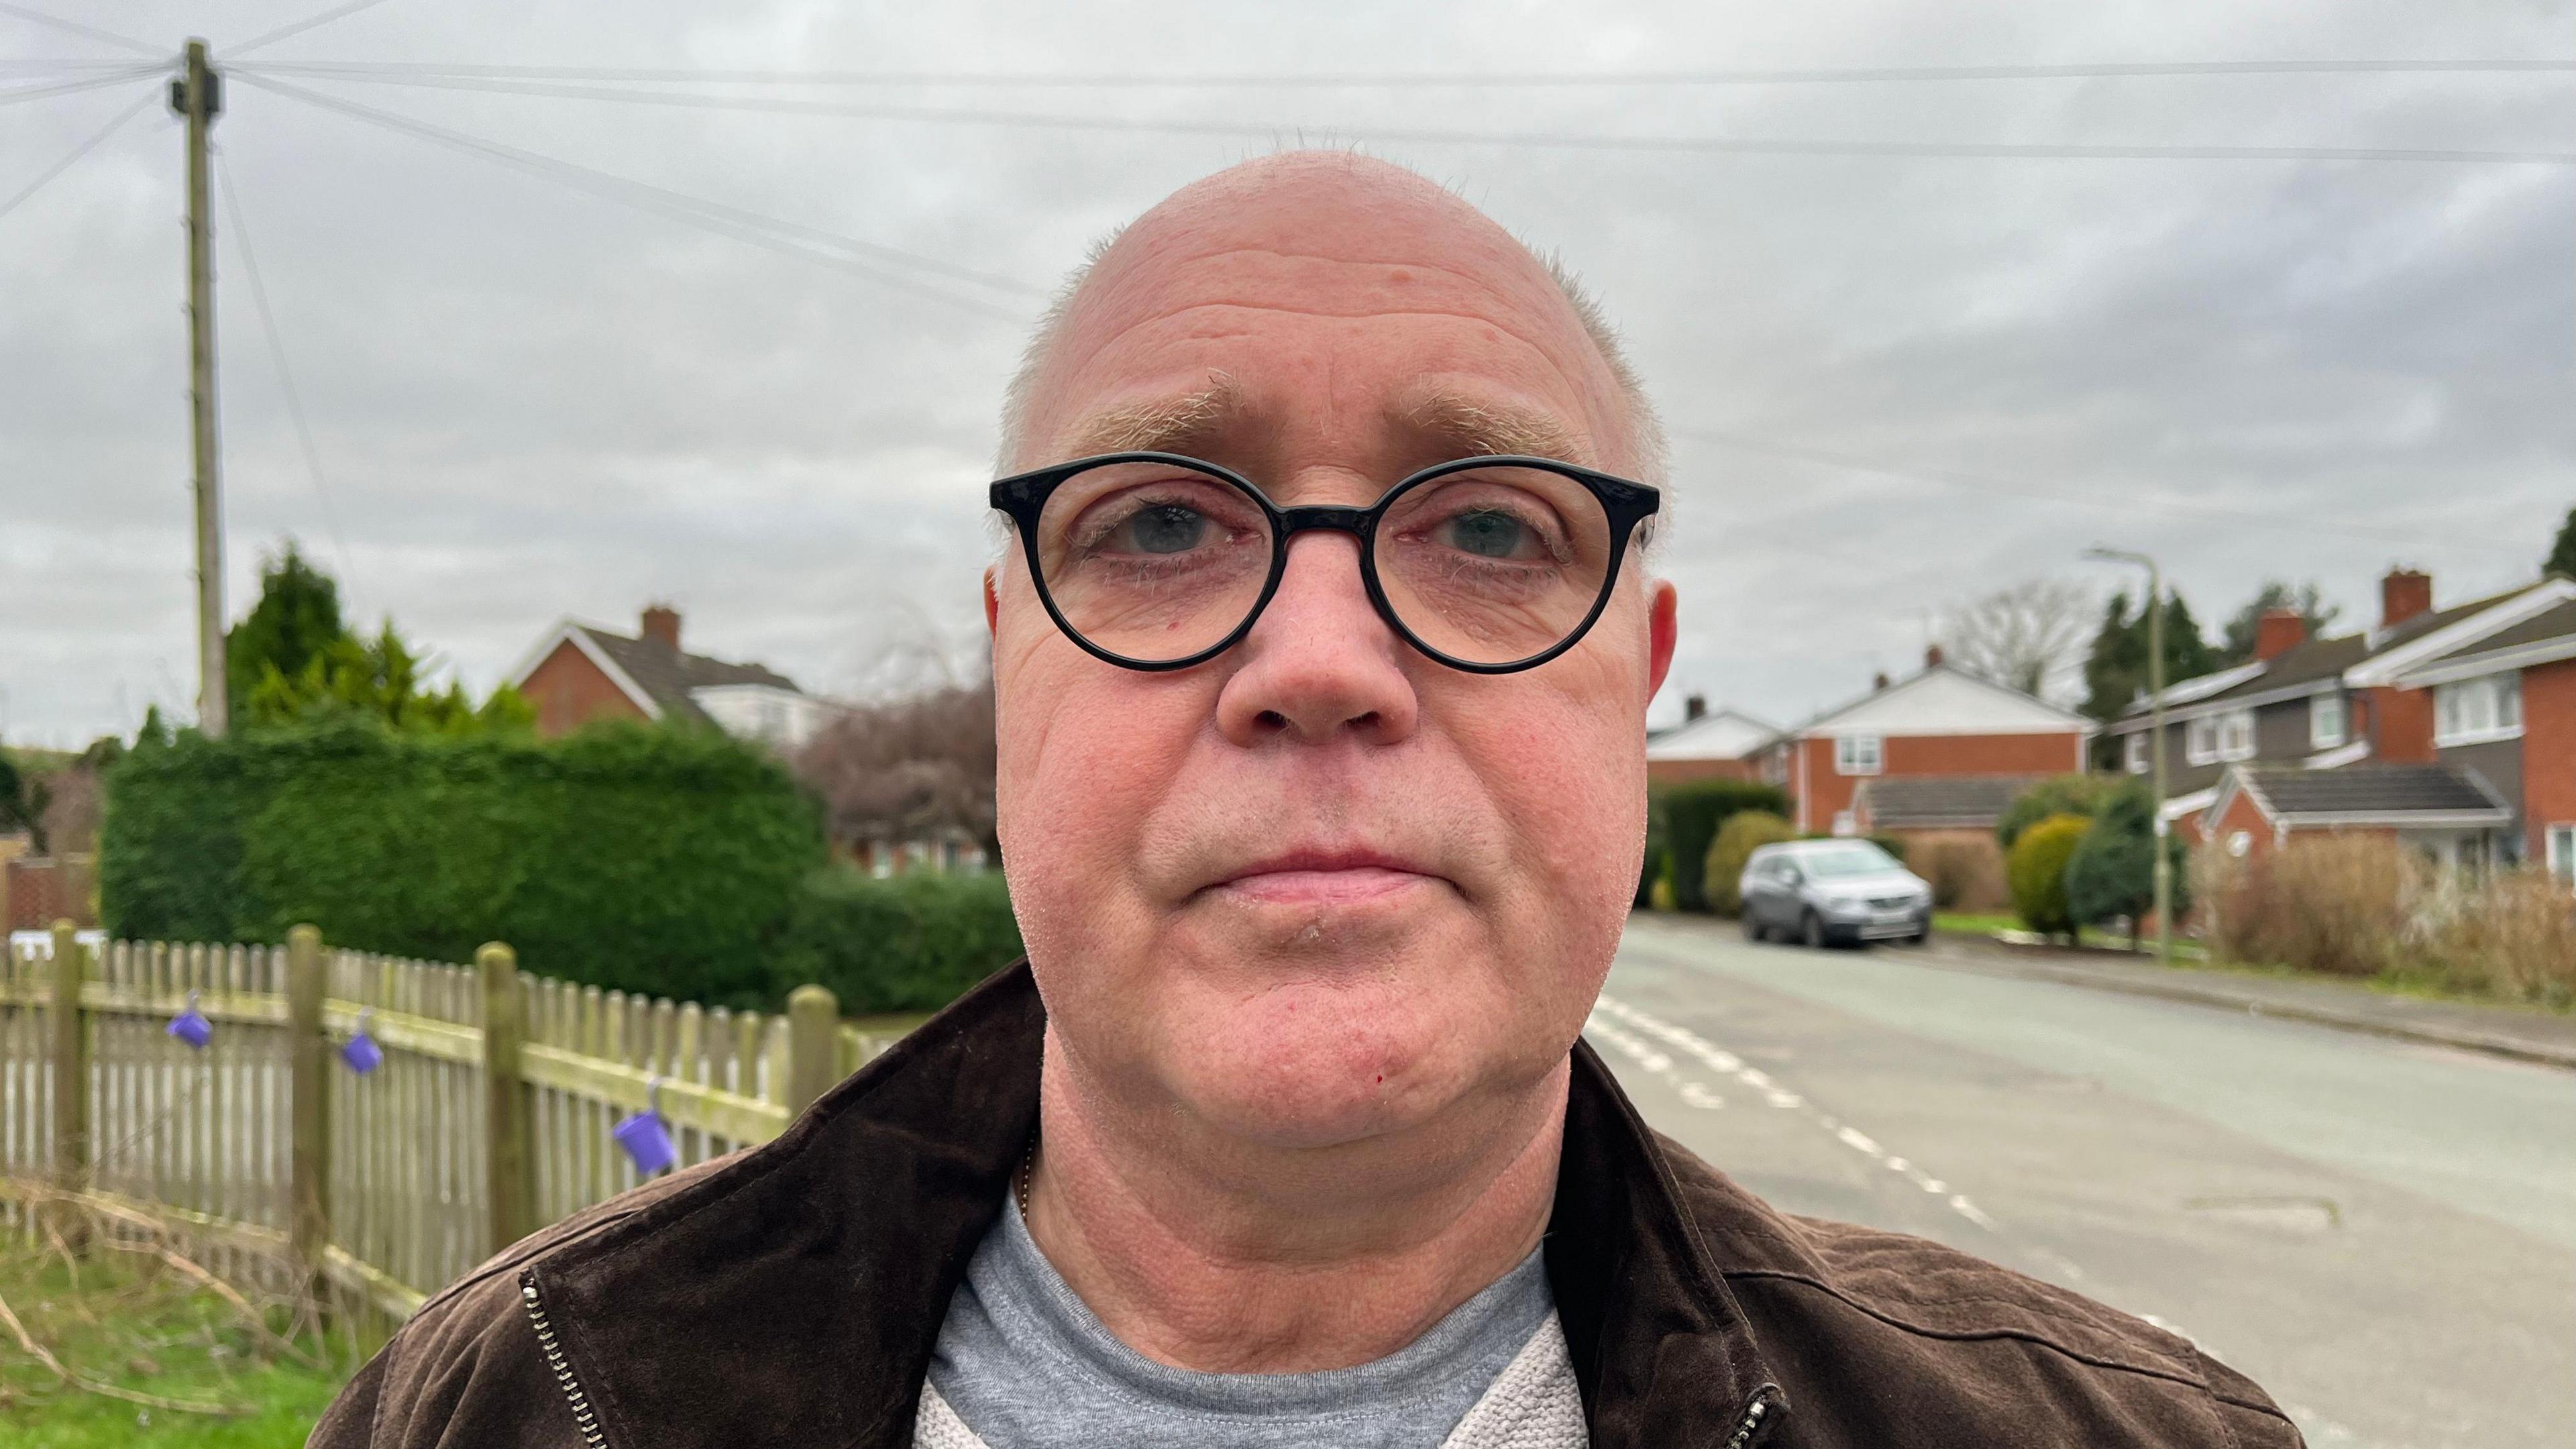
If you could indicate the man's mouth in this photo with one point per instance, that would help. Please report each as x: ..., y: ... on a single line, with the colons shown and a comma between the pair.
x: 1324, y: 878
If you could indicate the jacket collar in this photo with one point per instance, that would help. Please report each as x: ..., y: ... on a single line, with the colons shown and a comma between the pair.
x: 793, y: 1295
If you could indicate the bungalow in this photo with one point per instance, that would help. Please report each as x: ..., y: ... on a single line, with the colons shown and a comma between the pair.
x: 1719, y: 744
x: 581, y: 672
x: 1940, y: 723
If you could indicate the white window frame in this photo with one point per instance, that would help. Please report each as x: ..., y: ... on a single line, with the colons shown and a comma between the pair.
x: 2558, y: 844
x: 2476, y: 711
x: 1849, y: 756
x: 2236, y: 735
x: 2135, y: 753
x: 2324, y: 709
x: 2200, y: 740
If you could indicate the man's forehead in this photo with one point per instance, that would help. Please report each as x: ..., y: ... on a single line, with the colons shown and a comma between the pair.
x: 1297, y: 239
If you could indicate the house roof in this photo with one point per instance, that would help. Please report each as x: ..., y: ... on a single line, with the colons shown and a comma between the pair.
x: 658, y: 678
x: 1945, y: 700
x: 2547, y: 635
x: 1721, y: 734
x: 1931, y: 802
x: 2304, y: 668
x: 2369, y: 795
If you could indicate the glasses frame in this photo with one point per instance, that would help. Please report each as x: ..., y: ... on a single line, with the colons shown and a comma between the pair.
x: 1023, y: 496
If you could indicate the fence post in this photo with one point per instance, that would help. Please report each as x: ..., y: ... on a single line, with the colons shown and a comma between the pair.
x: 308, y: 1083
x: 505, y: 1129
x: 813, y: 1044
x: 71, y: 1072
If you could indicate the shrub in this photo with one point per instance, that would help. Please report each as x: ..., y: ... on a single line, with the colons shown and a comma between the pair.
x: 2340, y: 904
x: 1691, y: 814
x: 2511, y: 935
x: 1651, y: 869
x: 1737, y: 839
x: 1966, y: 872
x: 654, y: 860
x: 2083, y: 795
x: 2036, y: 871
x: 911, y: 942
x: 2113, y: 873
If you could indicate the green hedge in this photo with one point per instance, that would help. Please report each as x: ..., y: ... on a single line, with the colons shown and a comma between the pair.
x: 655, y: 860
x: 907, y: 943
x: 1690, y: 815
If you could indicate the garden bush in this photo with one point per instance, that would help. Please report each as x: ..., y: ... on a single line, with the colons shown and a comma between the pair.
x: 1691, y: 814
x: 2339, y: 904
x: 1743, y: 833
x: 2511, y: 935
x: 2113, y: 873
x: 2083, y: 795
x: 1966, y: 872
x: 648, y: 859
x: 1651, y: 869
x: 2036, y: 871
x: 910, y: 942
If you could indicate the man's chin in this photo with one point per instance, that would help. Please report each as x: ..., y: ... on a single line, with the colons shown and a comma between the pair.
x: 1318, y: 1063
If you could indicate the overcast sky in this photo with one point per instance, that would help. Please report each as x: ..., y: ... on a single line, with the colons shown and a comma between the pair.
x: 1894, y: 382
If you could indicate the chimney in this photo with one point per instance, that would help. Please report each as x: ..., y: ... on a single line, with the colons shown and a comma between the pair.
x: 1932, y: 656
x: 2403, y: 594
x: 1880, y: 682
x: 662, y: 626
x: 1695, y: 707
x: 2278, y: 632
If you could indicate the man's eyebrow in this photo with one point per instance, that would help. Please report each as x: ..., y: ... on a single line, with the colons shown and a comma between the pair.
x: 1160, y: 425
x: 1475, y: 429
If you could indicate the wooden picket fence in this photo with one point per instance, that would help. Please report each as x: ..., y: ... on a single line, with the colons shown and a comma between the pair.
x: 488, y: 1116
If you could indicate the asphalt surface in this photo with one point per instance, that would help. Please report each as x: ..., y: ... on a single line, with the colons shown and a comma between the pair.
x: 2381, y: 1232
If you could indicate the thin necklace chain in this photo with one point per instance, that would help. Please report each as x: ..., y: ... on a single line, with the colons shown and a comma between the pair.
x: 1028, y: 1170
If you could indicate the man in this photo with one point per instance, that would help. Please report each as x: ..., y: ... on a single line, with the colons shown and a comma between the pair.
x: 1322, y: 788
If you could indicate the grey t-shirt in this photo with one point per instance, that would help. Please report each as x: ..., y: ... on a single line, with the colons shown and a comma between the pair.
x: 1022, y: 1362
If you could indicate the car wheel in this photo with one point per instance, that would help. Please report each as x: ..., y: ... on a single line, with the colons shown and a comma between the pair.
x: 1811, y: 930
x: 1753, y: 928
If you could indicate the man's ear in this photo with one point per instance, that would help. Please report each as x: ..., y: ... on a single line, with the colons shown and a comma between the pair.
x: 993, y: 603
x: 1663, y: 631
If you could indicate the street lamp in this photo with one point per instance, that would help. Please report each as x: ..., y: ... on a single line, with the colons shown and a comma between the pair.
x: 2156, y: 704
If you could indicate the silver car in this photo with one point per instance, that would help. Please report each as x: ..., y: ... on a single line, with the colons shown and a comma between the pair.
x: 1833, y: 893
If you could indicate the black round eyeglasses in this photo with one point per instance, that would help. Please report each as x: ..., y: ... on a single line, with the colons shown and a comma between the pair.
x: 1157, y: 561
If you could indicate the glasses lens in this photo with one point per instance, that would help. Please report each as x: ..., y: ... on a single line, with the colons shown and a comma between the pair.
x: 1494, y: 565
x: 1152, y: 561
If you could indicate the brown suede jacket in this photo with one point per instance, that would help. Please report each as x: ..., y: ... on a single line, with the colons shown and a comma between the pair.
x: 789, y: 1296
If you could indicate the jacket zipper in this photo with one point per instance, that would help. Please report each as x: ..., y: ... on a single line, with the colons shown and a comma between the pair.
x: 561, y: 1367
x: 1757, y: 1415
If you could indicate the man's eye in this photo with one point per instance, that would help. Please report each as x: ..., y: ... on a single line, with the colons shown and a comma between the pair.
x: 1487, y: 533
x: 1165, y: 528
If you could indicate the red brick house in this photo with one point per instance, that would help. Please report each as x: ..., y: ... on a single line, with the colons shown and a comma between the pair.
x: 1707, y: 745
x: 581, y: 672
x: 1941, y: 723
x: 2427, y: 724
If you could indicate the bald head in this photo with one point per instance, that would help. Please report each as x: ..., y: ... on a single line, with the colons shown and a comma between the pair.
x: 1336, y: 237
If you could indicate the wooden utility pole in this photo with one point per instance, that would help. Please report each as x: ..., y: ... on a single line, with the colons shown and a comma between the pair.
x: 198, y: 97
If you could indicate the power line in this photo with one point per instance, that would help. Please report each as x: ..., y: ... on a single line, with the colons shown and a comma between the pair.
x: 1536, y: 140
x: 1446, y: 79
x: 299, y: 27
x: 22, y: 65
x: 77, y: 152
x: 1956, y: 479
x: 13, y: 95
x: 847, y: 253
x: 285, y: 375
x: 74, y: 27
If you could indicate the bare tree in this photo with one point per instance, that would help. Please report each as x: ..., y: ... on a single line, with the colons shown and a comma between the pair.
x: 910, y: 768
x: 2029, y: 636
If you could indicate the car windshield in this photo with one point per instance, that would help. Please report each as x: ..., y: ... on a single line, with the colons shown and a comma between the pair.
x: 1857, y: 858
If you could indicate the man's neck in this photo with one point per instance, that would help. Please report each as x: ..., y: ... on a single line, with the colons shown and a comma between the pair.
x: 1230, y: 1257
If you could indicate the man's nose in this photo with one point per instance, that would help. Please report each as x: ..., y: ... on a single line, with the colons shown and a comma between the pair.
x: 1319, y: 663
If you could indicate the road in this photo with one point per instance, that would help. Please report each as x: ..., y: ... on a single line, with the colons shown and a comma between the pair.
x: 2383, y: 1234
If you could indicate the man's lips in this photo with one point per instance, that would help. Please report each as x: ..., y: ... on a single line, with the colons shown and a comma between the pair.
x: 1324, y: 877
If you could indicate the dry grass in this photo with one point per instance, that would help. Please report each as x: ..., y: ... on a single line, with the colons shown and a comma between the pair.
x: 2366, y: 906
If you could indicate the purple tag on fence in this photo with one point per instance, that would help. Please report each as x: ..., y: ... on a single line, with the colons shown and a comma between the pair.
x: 361, y: 1052
x: 647, y: 1141
x: 191, y: 1026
